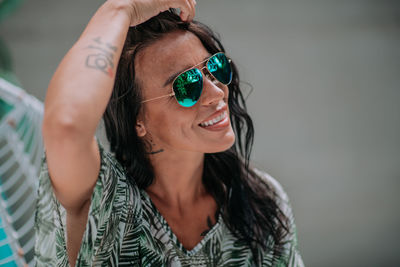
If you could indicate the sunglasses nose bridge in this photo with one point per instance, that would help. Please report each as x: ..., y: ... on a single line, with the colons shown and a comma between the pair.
x: 207, y: 74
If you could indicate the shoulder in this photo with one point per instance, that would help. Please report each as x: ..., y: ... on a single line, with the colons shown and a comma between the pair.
x: 114, y: 187
x: 113, y: 178
x: 279, y: 194
x: 290, y: 252
x: 274, y: 186
x: 109, y: 164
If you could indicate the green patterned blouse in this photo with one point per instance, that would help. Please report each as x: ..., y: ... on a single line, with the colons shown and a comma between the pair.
x: 124, y: 228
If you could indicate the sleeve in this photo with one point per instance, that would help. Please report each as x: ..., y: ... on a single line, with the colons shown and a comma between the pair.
x: 112, y: 208
x: 290, y: 254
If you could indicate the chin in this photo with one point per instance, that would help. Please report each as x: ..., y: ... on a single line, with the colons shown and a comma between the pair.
x: 222, y: 145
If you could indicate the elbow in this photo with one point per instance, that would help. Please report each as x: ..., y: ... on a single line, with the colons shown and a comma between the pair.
x: 67, y: 117
x: 60, y: 125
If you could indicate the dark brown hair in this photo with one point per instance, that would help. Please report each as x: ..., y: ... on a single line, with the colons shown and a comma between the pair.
x: 248, y: 205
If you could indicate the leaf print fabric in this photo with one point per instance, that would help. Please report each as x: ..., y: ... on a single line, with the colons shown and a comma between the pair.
x: 124, y: 228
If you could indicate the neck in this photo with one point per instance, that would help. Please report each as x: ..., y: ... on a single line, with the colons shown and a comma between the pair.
x: 178, y: 177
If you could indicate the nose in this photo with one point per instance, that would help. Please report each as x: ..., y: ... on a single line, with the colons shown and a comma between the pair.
x: 213, y: 90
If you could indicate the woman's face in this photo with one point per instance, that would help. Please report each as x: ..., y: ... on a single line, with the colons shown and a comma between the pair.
x: 171, y: 126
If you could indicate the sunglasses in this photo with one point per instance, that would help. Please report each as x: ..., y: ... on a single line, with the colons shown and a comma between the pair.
x: 188, y: 85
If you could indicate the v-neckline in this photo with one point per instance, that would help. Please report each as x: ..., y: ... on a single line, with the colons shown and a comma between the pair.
x: 174, y: 238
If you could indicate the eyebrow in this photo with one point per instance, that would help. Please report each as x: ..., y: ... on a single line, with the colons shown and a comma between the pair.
x: 173, y: 76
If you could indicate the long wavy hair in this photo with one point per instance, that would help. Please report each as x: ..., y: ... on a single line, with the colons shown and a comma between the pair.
x: 248, y: 205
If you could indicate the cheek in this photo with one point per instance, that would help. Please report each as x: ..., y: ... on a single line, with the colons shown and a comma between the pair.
x: 170, y: 125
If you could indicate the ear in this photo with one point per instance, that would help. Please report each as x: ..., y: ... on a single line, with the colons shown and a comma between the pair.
x: 140, y: 129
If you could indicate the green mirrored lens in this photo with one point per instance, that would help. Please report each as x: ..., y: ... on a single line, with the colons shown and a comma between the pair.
x: 188, y: 87
x: 219, y: 66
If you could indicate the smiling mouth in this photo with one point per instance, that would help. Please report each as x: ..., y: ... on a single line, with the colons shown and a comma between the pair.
x: 215, y: 120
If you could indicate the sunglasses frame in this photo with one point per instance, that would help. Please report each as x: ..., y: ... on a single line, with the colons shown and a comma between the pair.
x: 193, y: 67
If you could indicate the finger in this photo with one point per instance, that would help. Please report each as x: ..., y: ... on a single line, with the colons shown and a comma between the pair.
x: 184, y: 6
x: 185, y: 10
x: 184, y: 15
x: 192, y: 4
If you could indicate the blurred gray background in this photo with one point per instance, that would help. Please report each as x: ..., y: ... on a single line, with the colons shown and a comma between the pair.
x: 326, y: 78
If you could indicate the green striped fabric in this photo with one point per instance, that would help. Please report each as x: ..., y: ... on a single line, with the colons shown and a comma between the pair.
x: 124, y: 228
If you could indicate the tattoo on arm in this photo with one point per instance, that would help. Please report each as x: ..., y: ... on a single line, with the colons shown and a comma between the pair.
x: 101, y: 56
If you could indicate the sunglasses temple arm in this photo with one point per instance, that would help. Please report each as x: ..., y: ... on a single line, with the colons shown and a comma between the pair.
x: 151, y: 99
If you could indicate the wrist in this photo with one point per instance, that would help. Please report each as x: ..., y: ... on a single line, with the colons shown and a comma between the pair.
x: 119, y: 8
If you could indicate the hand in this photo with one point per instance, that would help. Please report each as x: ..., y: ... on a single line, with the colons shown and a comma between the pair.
x: 140, y: 11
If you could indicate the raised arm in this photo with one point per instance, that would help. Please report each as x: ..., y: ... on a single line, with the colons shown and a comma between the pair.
x: 77, y: 97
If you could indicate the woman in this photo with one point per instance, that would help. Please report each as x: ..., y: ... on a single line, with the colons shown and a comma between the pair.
x: 178, y: 190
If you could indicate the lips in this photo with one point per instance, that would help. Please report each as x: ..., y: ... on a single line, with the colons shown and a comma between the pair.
x: 214, y: 120
x: 218, y: 120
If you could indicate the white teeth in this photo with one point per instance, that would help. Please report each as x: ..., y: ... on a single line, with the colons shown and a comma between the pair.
x: 215, y: 120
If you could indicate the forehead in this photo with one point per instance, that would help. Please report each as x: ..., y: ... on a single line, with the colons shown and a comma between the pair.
x: 174, y: 52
